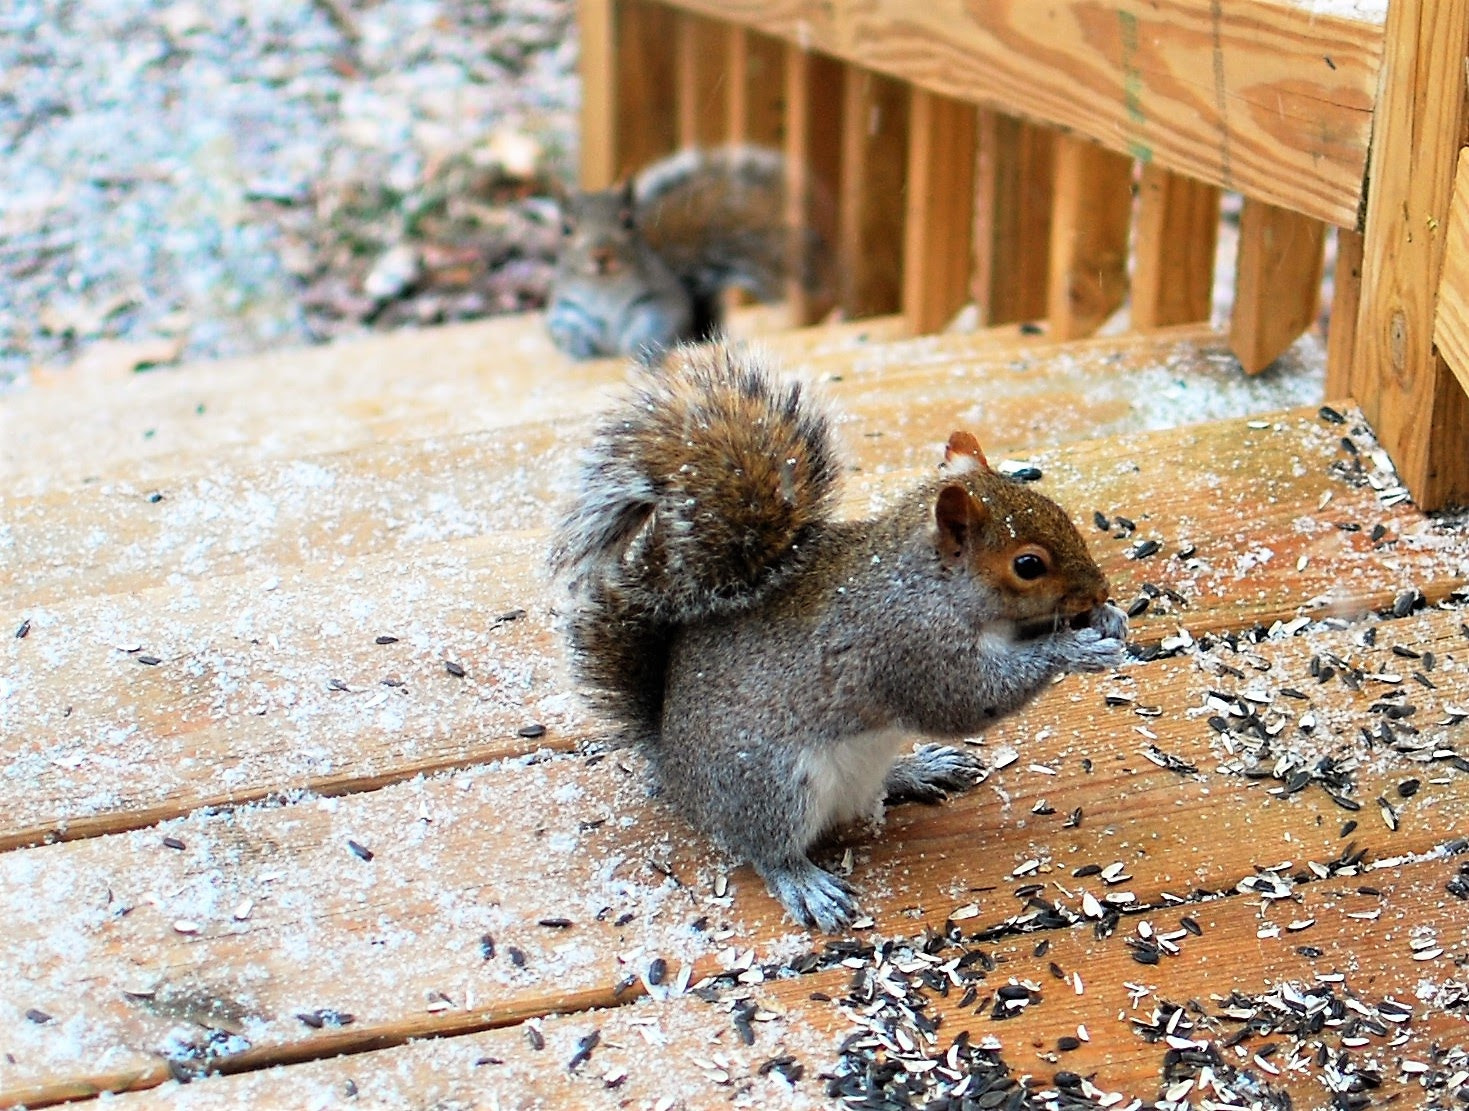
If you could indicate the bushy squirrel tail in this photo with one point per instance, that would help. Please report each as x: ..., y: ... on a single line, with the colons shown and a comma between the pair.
x: 698, y: 499
x: 717, y: 216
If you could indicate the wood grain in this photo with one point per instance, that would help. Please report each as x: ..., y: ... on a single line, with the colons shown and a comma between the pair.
x: 939, y: 221
x: 396, y: 940
x: 1090, y: 217
x: 1277, y: 282
x: 703, y: 80
x: 1411, y: 396
x: 1177, y: 231
x: 1371, y: 955
x: 870, y: 205
x: 1267, y: 97
x: 246, y: 698
x: 1451, y: 317
x: 1015, y: 179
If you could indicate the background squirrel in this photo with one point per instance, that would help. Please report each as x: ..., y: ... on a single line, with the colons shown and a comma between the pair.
x: 644, y: 267
x: 774, y: 661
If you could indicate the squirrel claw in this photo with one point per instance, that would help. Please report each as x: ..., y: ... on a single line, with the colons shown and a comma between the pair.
x: 810, y: 895
x: 930, y: 773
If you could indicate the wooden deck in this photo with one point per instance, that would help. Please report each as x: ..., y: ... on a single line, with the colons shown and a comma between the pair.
x: 298, y: 803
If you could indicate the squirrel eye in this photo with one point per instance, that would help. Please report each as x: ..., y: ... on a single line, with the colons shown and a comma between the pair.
x: 566, y: 227
x: 1029, y: 567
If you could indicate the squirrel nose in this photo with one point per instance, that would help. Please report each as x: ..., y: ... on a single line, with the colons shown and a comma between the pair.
x: 603, y: 260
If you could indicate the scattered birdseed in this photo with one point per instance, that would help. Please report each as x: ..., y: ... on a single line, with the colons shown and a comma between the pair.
x: 150, y: 661
x: 1144, y: 548
x: 454, y: 669
x: 362, y: 852
x: 1330, y: 415
x: 185, y: 926
x: 24, y: 630
x: 172, y: 843
x: 536, y: 1039
x: 584, y: 1050
x: 386, y: 640
x: 535, y: 729
x: 657, y: 971
x: 555, y: 923
x: 38, y: 1016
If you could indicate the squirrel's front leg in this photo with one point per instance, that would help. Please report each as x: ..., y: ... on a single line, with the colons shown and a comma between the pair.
x: 1097, y: 647
x: 651, y: 326
x: 576, y: 331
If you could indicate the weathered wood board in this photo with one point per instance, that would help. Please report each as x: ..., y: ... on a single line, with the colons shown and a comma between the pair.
x: 141, y: 947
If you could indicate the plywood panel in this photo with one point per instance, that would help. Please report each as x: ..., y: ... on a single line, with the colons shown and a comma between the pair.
x: 1346, y: 301
x: 1177, y: 231
x: 1267, y: 97
x: 1277, y: 285
x: 1451, y: 317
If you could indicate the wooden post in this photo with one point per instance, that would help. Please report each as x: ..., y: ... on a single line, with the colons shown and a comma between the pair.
x: 597, y: 21
x: 870, y: 205
x: 1091, y: 214
x: 756, y: 88
x: 704, y: 80
x: 940, y: 211
x: 1015, y: 172
x: 1277, y: 287
x: 1346, y: 299
x: 1177, y: 232
x: 1451, y: 320
x: 813, y: 148
x: 1417, y: 408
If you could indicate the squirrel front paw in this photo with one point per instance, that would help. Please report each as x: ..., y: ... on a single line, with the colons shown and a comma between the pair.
x: 1110, y: 621
x: 575, y: 331
x: 1088, y: 649
x: 930, y: 773
x: 811, y: 896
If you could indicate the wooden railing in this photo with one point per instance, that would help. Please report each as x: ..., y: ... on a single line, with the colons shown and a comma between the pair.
x: 1057, y: 161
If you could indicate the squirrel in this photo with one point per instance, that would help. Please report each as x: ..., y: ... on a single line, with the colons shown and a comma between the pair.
x: 644, y: 266
x: 774, y: 661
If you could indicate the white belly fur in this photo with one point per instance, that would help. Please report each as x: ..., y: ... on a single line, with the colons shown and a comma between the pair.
x: 844, y: 782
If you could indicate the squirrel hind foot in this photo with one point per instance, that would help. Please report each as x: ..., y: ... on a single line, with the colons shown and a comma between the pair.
x: 812, y: 896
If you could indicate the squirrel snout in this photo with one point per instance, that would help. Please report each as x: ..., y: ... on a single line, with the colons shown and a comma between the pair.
x: 603, y: 260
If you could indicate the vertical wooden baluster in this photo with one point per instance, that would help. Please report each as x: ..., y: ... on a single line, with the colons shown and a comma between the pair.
x: 937, y: 259
x: 703, y: 80
x: 870, y: 206
x: 1177, y: 231
x: 597, y: 20
x: 1416, y: 406
x: 1091, y: 214
x: 1012, y: 239
x: 756, y: 88
x: 645, y: 112
x: 1277, y: 287
x: 813, y: 147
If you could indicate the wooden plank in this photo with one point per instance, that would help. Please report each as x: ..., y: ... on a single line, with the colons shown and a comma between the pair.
x: 1268, y: 97
x: 387, y: 939
x: 870, y: 205
x: 1371, y: 956
x: 1277, y: 285
x: 1346, y: 300
x: 939, y: 221
x: 1412, y: 398
x: 703, y: 80
x: 1451, y: 317
x: 645, y: 116
x: 597, y: 64
x: 1177, y: 231
x: 467, y: 377
x: 814, y: 104
x: 1015, y: 172
x: 756, y: 88
x: 243, y: 694
x: 1090, y: 218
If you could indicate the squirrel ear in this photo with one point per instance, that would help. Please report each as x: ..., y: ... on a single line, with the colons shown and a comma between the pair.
x: 963, y: 454
x: 957, y: 514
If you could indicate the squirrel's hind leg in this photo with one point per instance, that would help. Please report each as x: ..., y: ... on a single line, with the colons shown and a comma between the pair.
x: 812, y: 896
x: 930, y: 773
